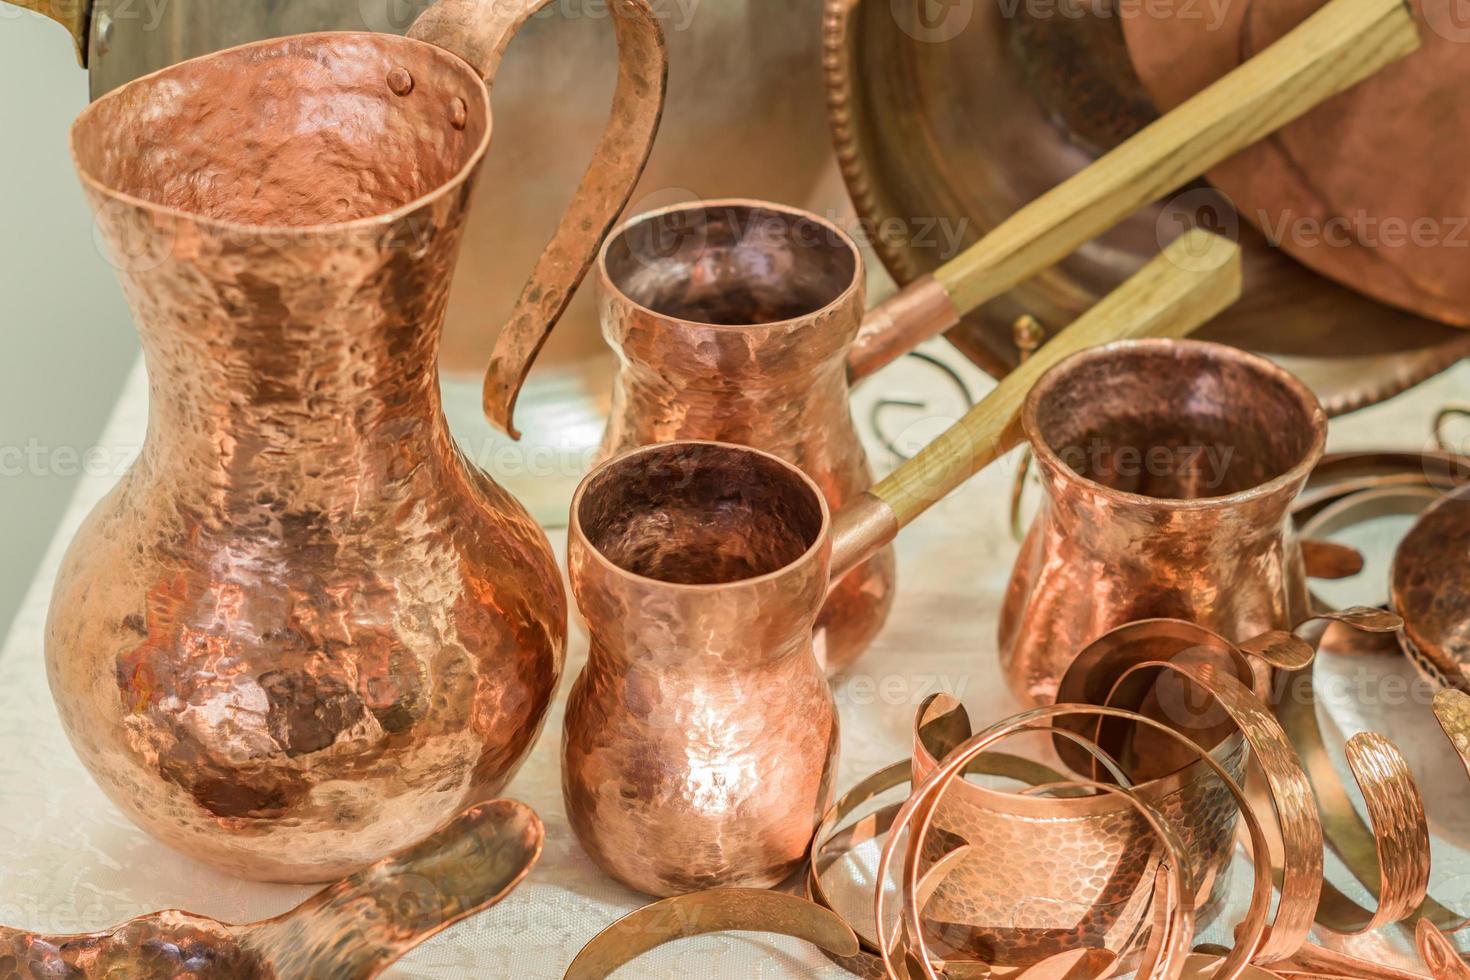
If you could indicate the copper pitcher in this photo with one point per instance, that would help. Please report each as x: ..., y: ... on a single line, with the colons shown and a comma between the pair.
x: 700, y: 741
x: 302, y: 632
x: 1169, y: 471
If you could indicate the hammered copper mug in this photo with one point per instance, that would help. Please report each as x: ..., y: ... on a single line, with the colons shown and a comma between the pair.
x: 1169, y: 470
x: 302, y: 632
x: 700, y: 741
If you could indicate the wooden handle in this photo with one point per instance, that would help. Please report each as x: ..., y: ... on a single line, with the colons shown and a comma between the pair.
x: 479, y: 31
x: 1334, y: 49
x: 1196, y: 277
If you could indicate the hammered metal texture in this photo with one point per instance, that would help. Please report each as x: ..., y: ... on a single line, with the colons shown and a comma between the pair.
x: 732, y: 322
x: 701, y: 739
x: 1169, y: 471
x: 1044, y: 876
x: 302, y: 632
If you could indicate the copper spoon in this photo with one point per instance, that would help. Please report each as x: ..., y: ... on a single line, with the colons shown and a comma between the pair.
x: 352, y: 930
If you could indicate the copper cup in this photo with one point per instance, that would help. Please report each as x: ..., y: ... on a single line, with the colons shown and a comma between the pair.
x: 701, y: 739
x: 1169, y: 470
x: 302, y: 632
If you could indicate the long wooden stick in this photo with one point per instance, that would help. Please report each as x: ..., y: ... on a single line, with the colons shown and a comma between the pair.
x: 1334, y: 49
x: 1195, y: 278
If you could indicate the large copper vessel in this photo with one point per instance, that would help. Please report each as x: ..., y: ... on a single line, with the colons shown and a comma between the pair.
x: 1169, y: 471
x: 302, y: 632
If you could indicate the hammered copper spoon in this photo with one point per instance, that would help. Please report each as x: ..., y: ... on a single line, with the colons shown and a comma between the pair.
x: 352, y: 930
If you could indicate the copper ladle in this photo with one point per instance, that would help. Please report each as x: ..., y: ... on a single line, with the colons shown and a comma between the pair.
x: 352, y: 930
x: 742, y: 321
x: 700, y: 740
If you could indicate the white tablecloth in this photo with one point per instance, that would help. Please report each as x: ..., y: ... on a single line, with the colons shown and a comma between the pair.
x: 71, y: 862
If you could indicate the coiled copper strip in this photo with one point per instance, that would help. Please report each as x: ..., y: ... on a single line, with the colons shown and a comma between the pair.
x: 1165, y: 956
x: 1291, y: 798
x: 1167, y: 947
x: 1350, y: 838
x: 1395, y: 806
x: 829, y: 842
x: 1401, y: 837
x: 699, y: 913
x: 1391, y: 852
x: 1340, y: 475
x: 1388, y: 499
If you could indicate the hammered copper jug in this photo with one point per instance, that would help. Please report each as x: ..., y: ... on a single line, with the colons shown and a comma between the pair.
x: 743, y: 321
x: 701, y: 739
x: 1169, y: 471
x: 302, y: 632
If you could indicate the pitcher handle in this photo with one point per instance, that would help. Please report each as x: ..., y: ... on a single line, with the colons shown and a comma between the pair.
x: 479, y: 31
x: 74, y: 15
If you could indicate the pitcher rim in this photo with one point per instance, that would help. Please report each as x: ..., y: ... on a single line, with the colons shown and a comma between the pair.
x: 856, y: 286
x: 385, y: 218
x: 1297, y: 475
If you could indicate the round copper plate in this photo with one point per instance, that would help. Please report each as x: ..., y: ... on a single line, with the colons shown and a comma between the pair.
x: 1368, y: 189
x: 1430, y: 573
x: 947, y: 124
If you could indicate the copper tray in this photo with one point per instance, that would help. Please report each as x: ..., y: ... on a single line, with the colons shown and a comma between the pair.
x: 958, y: 115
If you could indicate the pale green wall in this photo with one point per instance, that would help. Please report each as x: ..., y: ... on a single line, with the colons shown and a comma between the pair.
x: 66, y: 341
